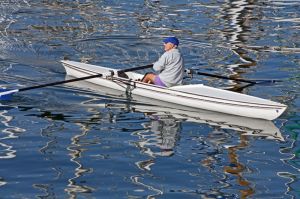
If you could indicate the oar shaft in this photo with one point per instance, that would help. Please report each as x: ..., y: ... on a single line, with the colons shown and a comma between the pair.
x: 224, y: 77
x: 82, y: 78
x: 60, y: 82
x: 136, y: 68
x: 257, y: 81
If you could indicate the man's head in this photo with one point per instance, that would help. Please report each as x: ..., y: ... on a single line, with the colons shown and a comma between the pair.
x: 170, y: 43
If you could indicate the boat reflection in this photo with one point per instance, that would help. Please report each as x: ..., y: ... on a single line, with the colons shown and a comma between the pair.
x: 160, y: 135
x: 246, y: 126
x: 163, y: 111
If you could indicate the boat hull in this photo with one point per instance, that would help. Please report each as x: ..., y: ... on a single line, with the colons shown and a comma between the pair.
x: 196, y: 96
x: 159, y: 110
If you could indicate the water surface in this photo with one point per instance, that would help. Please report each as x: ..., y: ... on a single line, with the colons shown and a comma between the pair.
x: 72, y: 142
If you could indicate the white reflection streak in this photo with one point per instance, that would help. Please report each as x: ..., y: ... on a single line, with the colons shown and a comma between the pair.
x: 158, y: 138
x: 292, y: 177
x: 285, y: 2
x: 235, y: 18
x: 143, y: 143
x: 136, y: 180
x: 234, y: 11
x: 76, y: 153
x: 2, y: 183
x: 8, y: 152
x: 9, y: 132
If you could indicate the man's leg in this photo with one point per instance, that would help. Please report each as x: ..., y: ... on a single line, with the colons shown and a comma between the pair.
x: 149, y: 78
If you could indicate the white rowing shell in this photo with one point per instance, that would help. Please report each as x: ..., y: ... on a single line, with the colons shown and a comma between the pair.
x: 196, y: 96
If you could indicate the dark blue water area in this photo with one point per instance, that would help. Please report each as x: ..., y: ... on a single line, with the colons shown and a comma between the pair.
x: 84, y: 141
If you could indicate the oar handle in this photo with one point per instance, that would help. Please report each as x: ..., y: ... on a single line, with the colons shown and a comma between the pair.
x: 60, y: 82
x: 136, y: 68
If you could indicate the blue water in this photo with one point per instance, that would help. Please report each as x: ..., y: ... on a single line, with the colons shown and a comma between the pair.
x: 71, y: 142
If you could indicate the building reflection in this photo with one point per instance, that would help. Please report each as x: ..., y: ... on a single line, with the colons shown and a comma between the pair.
x: 76, y: 152
x: 8, y: 131
x: 236, y: 168
x: 237, y: 32
x: 238, y: 15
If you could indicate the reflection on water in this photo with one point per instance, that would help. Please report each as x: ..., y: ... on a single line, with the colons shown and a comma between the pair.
x: 9, y: 132
x: 237, y: 32
x: 155, y: 132
x: 158, y: 139
x: 236, y: 168
x: 162, y: 133
x: 76, y: 152
x: 76, y: 149
x: 67, y: 142
x: 238, y: 15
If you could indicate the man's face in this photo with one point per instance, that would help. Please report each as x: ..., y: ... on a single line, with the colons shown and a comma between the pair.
x: 168, y: 46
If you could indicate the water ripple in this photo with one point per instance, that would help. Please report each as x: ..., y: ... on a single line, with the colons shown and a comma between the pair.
x: 77, y: 142
x: 10, y: 132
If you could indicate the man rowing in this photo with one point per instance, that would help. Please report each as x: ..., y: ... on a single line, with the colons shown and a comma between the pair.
x: 170, y: 66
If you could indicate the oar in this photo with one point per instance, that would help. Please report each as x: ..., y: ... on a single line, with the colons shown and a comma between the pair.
x: 6, y: 94
x: 189, y: 71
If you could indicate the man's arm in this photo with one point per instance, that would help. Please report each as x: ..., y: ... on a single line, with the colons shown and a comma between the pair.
x: 160, y: 64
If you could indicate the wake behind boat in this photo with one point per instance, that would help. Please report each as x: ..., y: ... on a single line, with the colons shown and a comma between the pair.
x: 196, y: 96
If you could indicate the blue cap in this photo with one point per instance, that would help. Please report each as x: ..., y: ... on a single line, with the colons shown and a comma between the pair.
x: 172, y: 40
